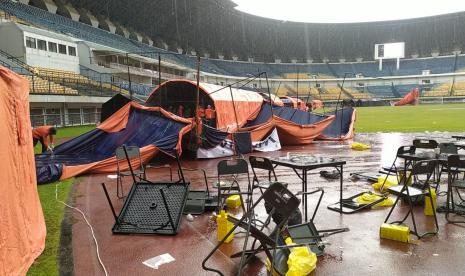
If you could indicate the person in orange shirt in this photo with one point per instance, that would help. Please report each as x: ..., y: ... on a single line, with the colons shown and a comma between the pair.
x: 180, y: 112
x: 209, y: 115
x: 40, y: 134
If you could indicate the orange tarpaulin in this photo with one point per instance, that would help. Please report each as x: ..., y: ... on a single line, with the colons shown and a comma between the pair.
x: 115, y: 123
x: 291, y: 133
x: 232, y: 106
x: 411, y: 98
x: 22, y: 225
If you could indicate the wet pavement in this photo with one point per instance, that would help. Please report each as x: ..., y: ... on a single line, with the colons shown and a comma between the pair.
x: 357, y: 252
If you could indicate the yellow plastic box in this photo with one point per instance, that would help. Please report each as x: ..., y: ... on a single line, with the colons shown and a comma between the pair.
x: 394, y: 232
x: 224, y: 226
x: 430, y: 210
x: 233, y: 201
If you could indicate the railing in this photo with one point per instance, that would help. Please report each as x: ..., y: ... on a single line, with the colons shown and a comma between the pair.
x: 139, y: 71
x: 67, y: 119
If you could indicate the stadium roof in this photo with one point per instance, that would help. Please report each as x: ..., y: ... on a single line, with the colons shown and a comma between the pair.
x: 217, y: 28
x: 343, y: 11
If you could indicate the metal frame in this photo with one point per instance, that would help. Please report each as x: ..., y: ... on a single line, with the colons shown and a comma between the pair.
x: 233, y: 168
x: 425, y: 167
x: 454, y: 162
x: 305, y: 168
x: 262, y: 163
x: 126, y: 153
x: 283, y: 198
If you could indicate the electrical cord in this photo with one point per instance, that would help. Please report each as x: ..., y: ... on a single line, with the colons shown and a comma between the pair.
x: 90, y: 226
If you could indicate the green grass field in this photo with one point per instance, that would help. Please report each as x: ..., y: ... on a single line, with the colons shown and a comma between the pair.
x: 47, y: 263
x: 420, y: 118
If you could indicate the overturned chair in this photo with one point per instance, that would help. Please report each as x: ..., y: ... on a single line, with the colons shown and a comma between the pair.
x: 283, y: 205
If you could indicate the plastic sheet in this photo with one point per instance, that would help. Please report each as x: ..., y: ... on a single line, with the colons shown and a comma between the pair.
x: 368, y: 198
x: 385, y: 183
x: 359, y: 146
x: 301, y: 261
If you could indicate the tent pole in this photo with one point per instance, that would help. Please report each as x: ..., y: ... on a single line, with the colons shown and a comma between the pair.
x: 297, y: 86
x: 234, y: 106
x: 197, y: 99
x: 159, y: 69
x: 342, y: 104
x: 269, y: 93
x: 129, y: 76
x: 237, y: 123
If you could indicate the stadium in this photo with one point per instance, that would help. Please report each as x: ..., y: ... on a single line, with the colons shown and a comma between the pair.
x: 232, y: 137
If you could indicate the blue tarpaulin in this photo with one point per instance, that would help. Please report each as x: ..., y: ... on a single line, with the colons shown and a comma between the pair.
x: 143, y: 128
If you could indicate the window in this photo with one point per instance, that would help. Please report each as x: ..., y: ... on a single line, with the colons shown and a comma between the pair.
x: 71, y: 51
x: 30, y: 42
x: 74, y: 116
x: 52, y: 47
x: 37, y: 117
x: 42, y: 44
x: 425, y: 81
x: 62, y: 49
x: 53, y: 116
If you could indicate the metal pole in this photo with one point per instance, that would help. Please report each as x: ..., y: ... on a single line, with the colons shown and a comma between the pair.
x: 197, y: 99
x: 269, y: 93
x: 129, y: 76
x: 234, y: 106
x: 340, y: 92
x: 159, y: 69
x: 297, y: 87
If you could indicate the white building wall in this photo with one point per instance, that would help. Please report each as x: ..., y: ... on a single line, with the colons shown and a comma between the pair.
x: 41, y: 58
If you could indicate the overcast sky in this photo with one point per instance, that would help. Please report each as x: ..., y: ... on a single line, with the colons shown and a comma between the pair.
x: 344, y: 11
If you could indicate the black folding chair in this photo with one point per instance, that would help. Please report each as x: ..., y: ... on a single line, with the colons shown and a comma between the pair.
x: 455, y: 163
x: 199, y: 201
x: 445, y: 148
x: 228, y: 184
x: 121, y: 159
x: 262, y: 163
x: 394, y: 168
x: 414, y: 193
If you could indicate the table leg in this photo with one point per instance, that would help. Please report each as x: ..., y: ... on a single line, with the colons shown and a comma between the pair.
x: 304, y: 189
x: 340, y: 188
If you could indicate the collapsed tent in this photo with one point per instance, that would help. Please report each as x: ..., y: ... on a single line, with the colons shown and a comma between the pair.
x: 412, y: 97
x: 343, y: 126
x: 222, y: 144
x: 295, y: 127
x: 112, y: 105
x: 294, y: 103
x: 152, y: 129
x: 233, y: 106
x: 22, y: 234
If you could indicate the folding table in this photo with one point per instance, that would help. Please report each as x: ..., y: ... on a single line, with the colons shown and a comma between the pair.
x: 306, y: 163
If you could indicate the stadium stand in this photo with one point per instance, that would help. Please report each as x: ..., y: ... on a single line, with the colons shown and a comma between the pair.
x: 96, y: 83
x: 61, y: 24
x: 441, y: 90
